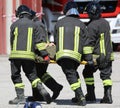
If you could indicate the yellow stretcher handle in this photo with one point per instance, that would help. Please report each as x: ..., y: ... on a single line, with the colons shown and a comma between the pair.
x: 82, y: 62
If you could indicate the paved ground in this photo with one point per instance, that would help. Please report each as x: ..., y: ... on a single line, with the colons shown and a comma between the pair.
x: 7, y: 89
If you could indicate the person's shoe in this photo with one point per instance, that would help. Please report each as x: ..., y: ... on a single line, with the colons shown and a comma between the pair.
x: 90, y: 98
x: 44, y: 93
x: 57, y: 92
x: 80, y: 97
x: 74, y: 100
x: 107, y: 95
x: 17, y: 101
x: 20, y: 99
x: 32, y: 98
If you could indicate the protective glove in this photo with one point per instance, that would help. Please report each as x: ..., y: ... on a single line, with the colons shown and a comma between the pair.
x: 90, y: 63
x: 102, y: 62
x: 89, y: 59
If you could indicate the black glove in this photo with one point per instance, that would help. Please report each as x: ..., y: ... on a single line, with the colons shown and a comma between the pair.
x: 89, y: 59
x: 90, y: 63
x: 102, y: 61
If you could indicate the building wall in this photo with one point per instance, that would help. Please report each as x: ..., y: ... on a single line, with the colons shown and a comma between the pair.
x: 2, y: 27
x: 7, y: 17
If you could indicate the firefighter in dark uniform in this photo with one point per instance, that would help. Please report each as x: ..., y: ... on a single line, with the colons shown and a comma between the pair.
x: 42, y: 65
x: 70, y: 35
x: 25, y: 37
x: 99, y: 47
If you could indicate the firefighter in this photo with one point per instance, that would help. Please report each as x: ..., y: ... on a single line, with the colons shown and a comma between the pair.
x: 42, y: 65
x: 99, y: 44
x: 70, y: 34
x: 25, y: 37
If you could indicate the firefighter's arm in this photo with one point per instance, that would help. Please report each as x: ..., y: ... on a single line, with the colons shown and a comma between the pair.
x: 87, y: 51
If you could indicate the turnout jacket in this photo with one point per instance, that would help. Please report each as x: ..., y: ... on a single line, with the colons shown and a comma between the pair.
x: 70, y: 35
x: 25, y: 37
x: 99, y: 39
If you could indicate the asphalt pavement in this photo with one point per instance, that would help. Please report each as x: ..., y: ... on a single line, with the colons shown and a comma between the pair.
x: 7, y: 91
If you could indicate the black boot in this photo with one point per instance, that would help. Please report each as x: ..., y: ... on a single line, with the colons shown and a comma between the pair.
x: 80, y: 97
x: 53, y: 86
x: 36, y: 96
x: 90, y: 96
x: 44, y: 93
x: 20, y: 99
x: 107, y: 95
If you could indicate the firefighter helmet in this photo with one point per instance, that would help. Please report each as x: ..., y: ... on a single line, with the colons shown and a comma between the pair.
x: 93, y: 9
x: 33, y: 13
x: 22, y: 9
x: 70, y: 8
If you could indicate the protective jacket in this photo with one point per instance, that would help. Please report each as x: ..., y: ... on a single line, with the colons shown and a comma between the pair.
x: 99, y: 39
x: 25, y: 37
x: 70, y: 35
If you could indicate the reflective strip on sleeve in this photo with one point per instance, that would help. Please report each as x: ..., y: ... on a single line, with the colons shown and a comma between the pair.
x: 102, y: 44
x: 87, y: 50
x: 41, y: 46
x: 76, y: 38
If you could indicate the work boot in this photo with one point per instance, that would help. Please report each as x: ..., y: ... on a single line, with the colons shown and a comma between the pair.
x: 44, y: 93
x: 90, y: 96
x: 80, y: 97
x: 36, y: 96
x: 54, y: 87
x: 20, y: 99
x: 107, y: 95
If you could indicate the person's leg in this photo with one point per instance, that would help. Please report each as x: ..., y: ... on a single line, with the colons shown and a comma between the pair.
x: 17, y: 80
x: 48, y: 80
x: 88, y: 72
x: 107, y: 83
x: 30, y: 71
x: 69, y: 68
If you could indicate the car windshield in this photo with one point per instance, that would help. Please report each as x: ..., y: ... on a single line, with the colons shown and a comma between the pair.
x: 107, y: 6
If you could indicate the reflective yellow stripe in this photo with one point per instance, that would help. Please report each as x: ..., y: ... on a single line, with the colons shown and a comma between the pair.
x: 75, y: 85
x: 19, y: 85
x: 107, y: 82
x: 15, y: 39
x: 87, y: 50
x: 102, y: 44
x: 69, y: 53
x: 76, y: 39
x: 61, y: 36
x: 45, y: 77
x: 29, y: 40
x: 112, y: 56
x: 35, y: 82
x: 89, y: 81
x: 41, y: 46
x: 22, y: 54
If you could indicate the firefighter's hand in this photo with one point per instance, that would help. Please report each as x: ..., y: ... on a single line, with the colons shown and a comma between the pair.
x: 46, y: 59
x: 90, y: 63
x: 101, y: 65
